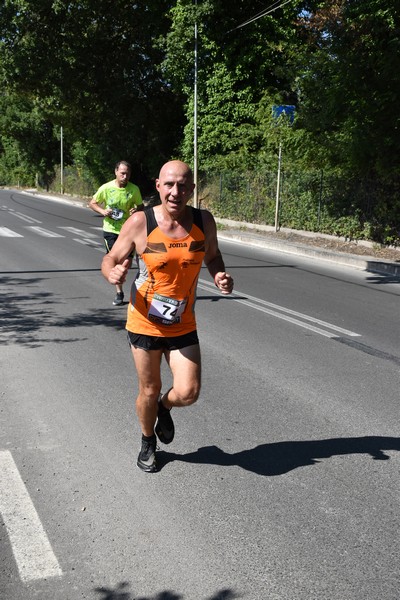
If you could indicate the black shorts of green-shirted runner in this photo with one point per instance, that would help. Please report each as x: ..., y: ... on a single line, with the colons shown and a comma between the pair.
x: 165, y: 428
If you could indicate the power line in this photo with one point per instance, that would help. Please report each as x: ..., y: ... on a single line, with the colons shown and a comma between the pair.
x: 263, y: 13
x: 273, y: 6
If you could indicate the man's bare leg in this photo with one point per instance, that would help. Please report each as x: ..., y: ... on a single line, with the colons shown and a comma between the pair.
x: 185, y: 365
x: 148, y: 363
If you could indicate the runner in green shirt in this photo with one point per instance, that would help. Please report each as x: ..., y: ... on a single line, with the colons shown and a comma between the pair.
x: 116, y: 200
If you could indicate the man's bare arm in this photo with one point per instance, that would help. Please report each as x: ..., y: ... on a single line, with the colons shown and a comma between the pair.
x: 116, y: 263
x: 94, y: 205
x: 213, y: 257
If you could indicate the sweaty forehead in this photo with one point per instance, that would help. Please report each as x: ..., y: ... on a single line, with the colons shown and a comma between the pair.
x: 175, y: 176
x: 171, y: 178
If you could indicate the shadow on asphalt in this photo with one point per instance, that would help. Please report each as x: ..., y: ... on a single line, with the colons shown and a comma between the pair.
x: 281, y: 457
x: 30, y: 314
x: 121, y: 592
x: 381, y: 278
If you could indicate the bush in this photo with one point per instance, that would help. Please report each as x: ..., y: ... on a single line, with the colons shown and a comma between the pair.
x: 311, y: 201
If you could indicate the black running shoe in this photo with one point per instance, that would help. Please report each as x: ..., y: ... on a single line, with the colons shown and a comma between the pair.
x: 147, y: 456
x: 119, y: 299
x: 164, y: 429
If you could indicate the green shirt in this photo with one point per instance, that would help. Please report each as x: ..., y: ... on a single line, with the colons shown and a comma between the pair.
x: 121, y: 199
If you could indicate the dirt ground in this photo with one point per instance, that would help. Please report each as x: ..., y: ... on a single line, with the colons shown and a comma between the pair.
x: 337, y: 245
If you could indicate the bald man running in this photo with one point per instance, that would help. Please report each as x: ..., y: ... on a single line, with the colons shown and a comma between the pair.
x: 172, y: 240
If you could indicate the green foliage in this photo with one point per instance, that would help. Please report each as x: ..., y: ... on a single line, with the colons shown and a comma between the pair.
x: 235, y: 69
x: 348, y: 84
x: 27, y: 141
x: 76, y: 182
x: 309, y: 201
x: 92, y: 67
x: 120, y: 77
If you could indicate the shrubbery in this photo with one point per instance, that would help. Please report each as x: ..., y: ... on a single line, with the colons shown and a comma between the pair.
x: 356, y: 210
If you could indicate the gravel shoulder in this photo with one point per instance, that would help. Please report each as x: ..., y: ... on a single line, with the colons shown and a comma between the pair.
x: 311, y: 239
x: 338, y: 245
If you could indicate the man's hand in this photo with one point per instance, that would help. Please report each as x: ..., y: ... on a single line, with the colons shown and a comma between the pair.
x: 224, y: 282
x: 136, y: 209
x: 118, y: 274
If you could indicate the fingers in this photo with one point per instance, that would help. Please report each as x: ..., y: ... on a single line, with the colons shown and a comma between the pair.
x: 118, y: 273
x: 224, y: 282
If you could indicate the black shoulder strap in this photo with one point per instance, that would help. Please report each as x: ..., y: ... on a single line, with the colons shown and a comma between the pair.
x: 152, y: 223
x: 151, y: 220
x: 197, y: 218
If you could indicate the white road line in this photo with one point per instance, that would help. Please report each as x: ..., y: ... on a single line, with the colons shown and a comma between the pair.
x: 30, y: 545
x: 81, y: 232
x: 273, y: 313
x: 45, y: 232
x: 305, y: 317
x: 91, y: 243
x: 281, y: 312
x: 5, y: 232
x: 25, y: 217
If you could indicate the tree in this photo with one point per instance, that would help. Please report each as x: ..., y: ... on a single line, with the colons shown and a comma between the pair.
x: 91, y: 66
x: 27, y: 141
x: 236, y: 68
x: 349, y: 85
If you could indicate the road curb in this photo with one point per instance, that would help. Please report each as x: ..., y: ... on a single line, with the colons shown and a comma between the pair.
x: 64, y: 199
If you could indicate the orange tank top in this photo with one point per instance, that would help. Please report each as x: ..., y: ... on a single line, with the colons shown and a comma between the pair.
x: 164, y: 291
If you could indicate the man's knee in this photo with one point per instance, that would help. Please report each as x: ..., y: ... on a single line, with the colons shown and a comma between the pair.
x: 188, y: 396
x: 149, y: 394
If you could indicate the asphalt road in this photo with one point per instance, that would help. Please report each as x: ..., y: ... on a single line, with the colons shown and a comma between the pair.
x: 282, y: 482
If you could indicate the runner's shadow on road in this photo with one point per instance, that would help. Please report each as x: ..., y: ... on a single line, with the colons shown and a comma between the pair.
x: 281, y: 457
x: 218, y: 298
x: 121, y: 592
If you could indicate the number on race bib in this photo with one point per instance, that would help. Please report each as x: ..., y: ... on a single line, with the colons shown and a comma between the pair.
x: 166, y: 310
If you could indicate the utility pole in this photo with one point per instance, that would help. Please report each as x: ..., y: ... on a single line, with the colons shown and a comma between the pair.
x: 62, y: 160
x: 195, y: 165
x: 278, y: 186
x: 279, y: 112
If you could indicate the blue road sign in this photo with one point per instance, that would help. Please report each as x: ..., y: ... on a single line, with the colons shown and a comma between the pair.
x: 287, y: 110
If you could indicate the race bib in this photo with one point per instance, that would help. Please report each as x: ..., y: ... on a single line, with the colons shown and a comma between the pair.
x: 117, y: 214
x: 166, y: 311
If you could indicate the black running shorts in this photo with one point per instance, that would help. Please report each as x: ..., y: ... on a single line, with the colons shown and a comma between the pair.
x: 109, y: 241
x: 149, y: 342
